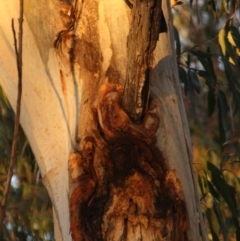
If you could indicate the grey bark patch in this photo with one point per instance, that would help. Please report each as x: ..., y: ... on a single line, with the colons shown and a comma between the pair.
x: 142, y: 39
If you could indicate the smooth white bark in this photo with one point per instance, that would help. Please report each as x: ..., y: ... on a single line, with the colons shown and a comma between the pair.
x: 48, y: 110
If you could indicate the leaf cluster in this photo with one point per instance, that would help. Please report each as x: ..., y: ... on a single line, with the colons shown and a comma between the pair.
x: 219, y: 190
x: 209, y: 71
x: 198, y: 71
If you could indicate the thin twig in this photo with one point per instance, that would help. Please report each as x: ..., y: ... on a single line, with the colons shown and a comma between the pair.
x: 18, y: 52
x: 203, y: 43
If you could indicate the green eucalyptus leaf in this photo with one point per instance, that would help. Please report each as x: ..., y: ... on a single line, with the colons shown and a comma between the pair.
x: 226, y: 191
x: 209, y: 73
x: 213, y: 224
x: 208, y: 200
x: 224, y: 160
x: 200, y: 53
x: 235, y: 35
x: 203, y: 73
x: 213, y: 6
x: 211, y: 102
x: 184, y: 79
x: 221, y: 40
x: 195, y: 81
x: 200, y: 184
x: 203, y: 185
x: 188, y: 59
x: 224, y: 3
x: 4, y: 98
x: 238, y: 234
x: 213, y: 191
x: 177, y: 39
x: 210, y: 65
x: 209, y: 80
x: 182, y: 75
x: 231, y: 180
x: 219, y: 215
x: 236, y: 95
x: 191, y: 94
x: 231, y: 76
x: 227, y: 43
x: 222, y: 114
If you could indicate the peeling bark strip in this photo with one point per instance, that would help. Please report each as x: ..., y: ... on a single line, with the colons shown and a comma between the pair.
x: 120, y: 186
x: 142, y: 39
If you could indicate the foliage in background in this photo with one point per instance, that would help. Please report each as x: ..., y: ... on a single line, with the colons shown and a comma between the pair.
x: 29, y: 211
x: 208, y: 51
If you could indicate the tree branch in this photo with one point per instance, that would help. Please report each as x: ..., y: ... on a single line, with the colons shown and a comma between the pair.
x: 141, y: 42
x: 18, y: 52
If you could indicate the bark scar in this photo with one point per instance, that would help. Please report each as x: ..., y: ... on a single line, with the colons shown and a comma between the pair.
x: 115, y: 122
x: 120, y: 186
x: 142, y: 183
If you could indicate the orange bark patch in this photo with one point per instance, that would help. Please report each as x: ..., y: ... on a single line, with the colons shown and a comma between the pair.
x: 80, y: 195
x: 174, y: 184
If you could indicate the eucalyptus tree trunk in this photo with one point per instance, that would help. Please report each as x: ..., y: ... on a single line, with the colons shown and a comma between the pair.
x: 103, y: 113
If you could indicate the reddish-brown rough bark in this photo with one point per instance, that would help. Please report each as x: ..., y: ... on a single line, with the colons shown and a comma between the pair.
x: 123, y: 190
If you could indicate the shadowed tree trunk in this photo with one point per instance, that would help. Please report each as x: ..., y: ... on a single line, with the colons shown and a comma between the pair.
x: 103, y: 112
